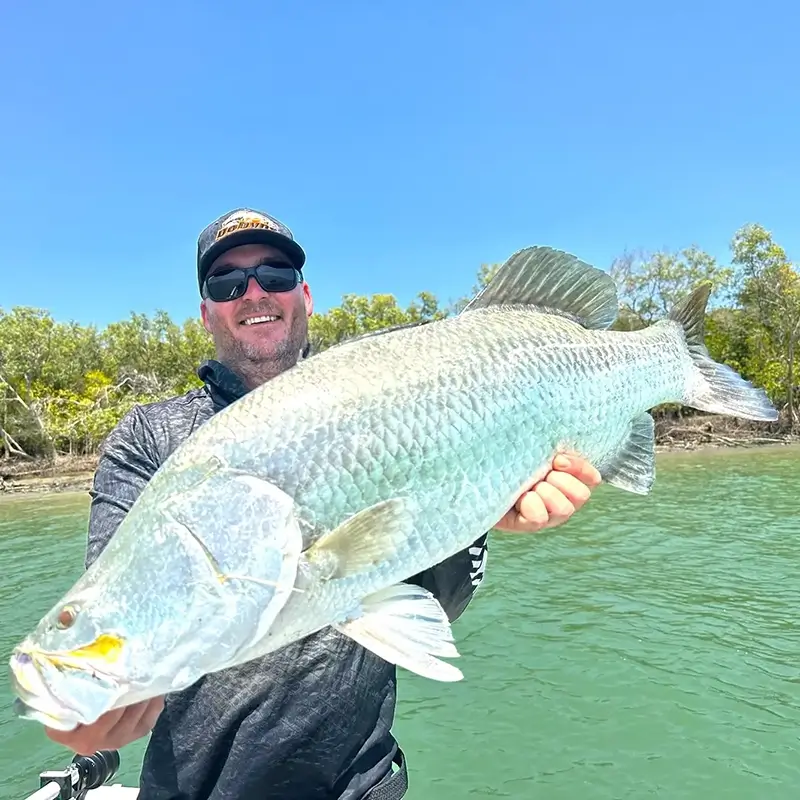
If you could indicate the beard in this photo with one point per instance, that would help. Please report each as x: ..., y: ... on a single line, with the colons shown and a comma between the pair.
x: 258, y: 362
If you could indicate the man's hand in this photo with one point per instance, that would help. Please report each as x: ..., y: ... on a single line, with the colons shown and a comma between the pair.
x: 113, y: 730
x: 554, y: 499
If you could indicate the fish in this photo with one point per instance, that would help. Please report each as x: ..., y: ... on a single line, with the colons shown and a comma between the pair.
x: 308, y: 503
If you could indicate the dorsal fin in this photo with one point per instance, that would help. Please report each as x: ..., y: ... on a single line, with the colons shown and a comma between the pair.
x: 555, y: 282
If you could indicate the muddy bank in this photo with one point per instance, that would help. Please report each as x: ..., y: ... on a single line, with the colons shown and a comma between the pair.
x: 65, y: 474
x: 675, y: 432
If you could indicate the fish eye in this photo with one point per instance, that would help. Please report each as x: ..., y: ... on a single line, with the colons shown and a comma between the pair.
x: 66, y: 617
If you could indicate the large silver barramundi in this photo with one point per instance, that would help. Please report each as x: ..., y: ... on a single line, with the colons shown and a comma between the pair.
x: 308, y: 502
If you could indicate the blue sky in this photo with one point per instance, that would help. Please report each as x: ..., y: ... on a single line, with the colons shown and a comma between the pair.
x: 405, y: 144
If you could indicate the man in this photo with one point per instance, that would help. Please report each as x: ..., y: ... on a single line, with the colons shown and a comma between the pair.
x: 312, y: 720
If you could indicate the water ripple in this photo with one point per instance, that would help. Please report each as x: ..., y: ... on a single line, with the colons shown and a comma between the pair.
x: 647, y: 649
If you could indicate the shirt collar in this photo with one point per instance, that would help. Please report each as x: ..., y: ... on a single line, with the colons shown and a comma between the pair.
x: 224, y: 385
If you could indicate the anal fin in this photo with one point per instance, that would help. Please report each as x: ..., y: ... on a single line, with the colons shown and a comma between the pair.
x: 406, y: 626
x: 633, y: 466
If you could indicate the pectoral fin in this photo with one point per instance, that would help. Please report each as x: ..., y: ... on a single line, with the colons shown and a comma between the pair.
x: 407, y: 626
x: 363, y: 541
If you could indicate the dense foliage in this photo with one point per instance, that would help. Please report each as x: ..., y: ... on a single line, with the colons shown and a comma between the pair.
x: 64, y: 385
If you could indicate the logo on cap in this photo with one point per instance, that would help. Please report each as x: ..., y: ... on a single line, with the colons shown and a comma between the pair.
x: 247, y: 220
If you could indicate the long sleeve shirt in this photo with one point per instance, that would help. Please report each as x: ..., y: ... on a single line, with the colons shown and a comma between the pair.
x: 312, y: 720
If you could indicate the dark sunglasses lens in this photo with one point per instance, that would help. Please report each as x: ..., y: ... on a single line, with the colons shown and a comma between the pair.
x: 276, y: 279
x: 226, y: 285
x: 231, y: 284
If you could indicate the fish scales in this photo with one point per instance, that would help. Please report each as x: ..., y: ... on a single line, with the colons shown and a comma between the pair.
x: 468, y: 430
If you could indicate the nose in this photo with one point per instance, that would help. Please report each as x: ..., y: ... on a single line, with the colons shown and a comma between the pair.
x: 253, y: 291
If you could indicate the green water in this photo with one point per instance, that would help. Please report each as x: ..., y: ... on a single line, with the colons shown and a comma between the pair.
x: 648, y: 649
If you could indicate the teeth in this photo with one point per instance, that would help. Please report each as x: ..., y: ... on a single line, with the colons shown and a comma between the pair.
x: 256, y: 320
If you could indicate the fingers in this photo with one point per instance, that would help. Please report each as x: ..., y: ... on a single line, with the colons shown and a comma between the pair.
x: 553, y: 500
x: 569, y: 490
x: 579, y: 468
x: 113, y: 730
x: 151, y: 715
x: 531, y: 513
x: 560, y: 504
x: 83, y: 738
x: 542, y: 507
x: 135, y: 724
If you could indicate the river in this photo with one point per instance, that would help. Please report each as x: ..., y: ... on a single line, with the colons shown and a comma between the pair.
x: 647, y: 649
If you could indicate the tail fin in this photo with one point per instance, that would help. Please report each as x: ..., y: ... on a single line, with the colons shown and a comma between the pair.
x: 715, y: 387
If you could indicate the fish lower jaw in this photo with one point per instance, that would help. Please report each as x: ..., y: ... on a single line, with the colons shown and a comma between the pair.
x: 44, y: 707
x: 24, y: 710
x: 38, y: 700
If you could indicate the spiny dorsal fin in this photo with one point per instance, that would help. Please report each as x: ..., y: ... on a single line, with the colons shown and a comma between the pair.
x: 553, y: 281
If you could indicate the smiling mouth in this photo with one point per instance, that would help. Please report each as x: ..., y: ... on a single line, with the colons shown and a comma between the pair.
x: 259, y: 320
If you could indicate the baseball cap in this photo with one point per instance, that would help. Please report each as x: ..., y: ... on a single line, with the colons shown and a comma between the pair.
x: 244, y: 226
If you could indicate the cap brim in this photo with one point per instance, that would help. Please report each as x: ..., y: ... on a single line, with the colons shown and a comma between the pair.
x: 251, y: 236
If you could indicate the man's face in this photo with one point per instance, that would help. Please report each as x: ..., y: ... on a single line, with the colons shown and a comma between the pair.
x: 262, y: 349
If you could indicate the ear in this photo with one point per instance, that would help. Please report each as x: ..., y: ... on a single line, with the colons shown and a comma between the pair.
x: 204, y: 315
x: 309, y: 300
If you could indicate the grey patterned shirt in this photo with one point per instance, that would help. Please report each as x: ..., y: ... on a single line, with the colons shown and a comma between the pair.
x: 310, y: 721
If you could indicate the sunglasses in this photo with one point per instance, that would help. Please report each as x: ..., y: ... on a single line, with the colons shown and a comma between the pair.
x: 231, y: 284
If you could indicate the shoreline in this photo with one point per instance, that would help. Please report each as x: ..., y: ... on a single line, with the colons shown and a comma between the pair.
x: 49, y: 484
x: 39, y: 476
x: 75, y: 473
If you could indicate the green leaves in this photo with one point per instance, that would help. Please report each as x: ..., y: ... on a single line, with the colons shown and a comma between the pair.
x: 768, y: 291
x: 357, y: 315
x: 650, y: 285
x: 64, y: 386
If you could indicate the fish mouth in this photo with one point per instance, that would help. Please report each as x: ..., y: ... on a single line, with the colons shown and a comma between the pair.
x: 59, y: 695
x: 35, y: 700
